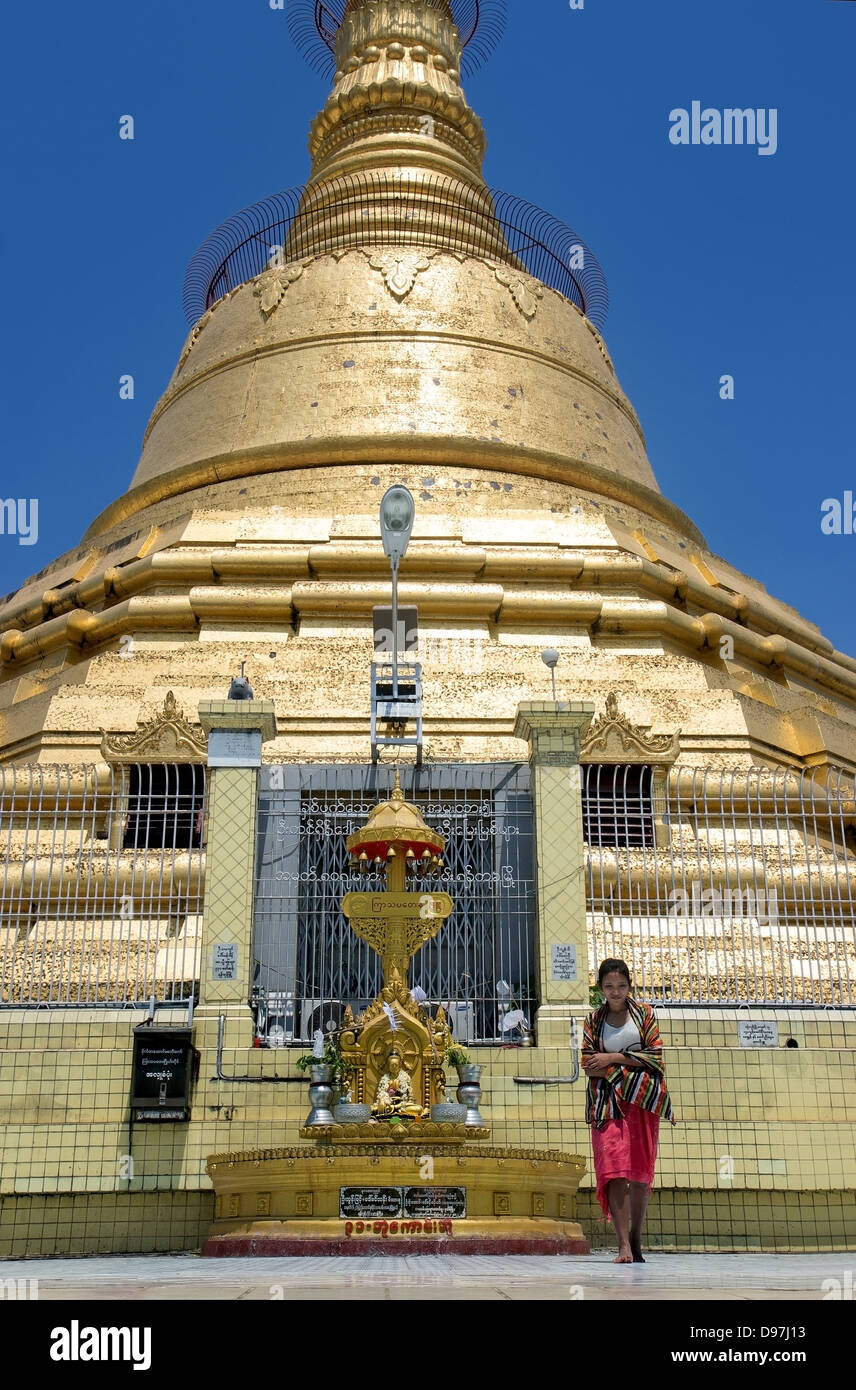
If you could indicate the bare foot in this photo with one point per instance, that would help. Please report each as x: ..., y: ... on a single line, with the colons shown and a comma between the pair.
x: 636, y: 1247
x: 624, y: 1256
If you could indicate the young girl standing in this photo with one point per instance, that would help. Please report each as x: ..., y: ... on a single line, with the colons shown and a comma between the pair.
x: 625, y: 1097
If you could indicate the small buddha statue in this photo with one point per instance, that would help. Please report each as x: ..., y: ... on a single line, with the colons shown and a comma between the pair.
x: 394, y: 1095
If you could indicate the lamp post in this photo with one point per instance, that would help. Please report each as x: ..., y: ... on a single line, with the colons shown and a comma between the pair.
x: 551, y: 658
x: 397, y: 511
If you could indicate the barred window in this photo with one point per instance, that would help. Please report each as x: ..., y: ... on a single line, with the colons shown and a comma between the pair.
x: 165, y: 806
x: 618, y: 805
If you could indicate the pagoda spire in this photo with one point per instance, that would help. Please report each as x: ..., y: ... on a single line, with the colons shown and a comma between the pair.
x: 397, y: 150
x: 397, y: 94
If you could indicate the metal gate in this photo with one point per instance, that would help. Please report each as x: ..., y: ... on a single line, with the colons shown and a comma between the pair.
x: 309, y: 965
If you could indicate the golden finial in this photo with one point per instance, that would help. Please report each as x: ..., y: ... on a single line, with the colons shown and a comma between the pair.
x: 397, y: 118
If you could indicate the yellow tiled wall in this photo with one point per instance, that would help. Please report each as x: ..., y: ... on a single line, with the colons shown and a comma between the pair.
x: 763, y: 1155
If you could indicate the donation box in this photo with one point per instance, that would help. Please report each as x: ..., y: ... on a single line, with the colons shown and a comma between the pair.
x: 163, y: 1069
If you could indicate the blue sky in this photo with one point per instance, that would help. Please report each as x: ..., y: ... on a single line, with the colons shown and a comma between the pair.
x: 719, y: 260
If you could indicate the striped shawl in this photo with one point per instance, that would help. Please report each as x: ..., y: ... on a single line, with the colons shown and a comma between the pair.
x: 607, y: 1096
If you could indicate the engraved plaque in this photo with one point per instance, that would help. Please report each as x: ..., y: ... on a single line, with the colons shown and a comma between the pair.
x: 752, y: 1033
x: 369, y: 1203
x: 235, y: 748
x: 564, y: 963
x: 436, y: 1202
x: 224, y: 961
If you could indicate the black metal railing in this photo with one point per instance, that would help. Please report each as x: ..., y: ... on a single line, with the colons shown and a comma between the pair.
x: 368, y: 210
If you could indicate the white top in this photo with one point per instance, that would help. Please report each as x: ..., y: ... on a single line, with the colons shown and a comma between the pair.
x: 619, y: 1039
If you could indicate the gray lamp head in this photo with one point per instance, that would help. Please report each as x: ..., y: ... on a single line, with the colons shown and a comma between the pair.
x: 550, y: 658
x: 397, y: 511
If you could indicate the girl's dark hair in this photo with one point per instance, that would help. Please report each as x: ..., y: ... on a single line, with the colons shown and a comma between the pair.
x: 608, y: 966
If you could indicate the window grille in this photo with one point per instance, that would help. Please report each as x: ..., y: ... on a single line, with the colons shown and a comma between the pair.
x: 617, y: 805
x: 164, y: 806
x: 101, y: 883
x: 746, y: 894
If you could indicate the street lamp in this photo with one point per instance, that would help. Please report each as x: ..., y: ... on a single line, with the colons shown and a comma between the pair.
x: 551, y: 658
x: 397, y: 511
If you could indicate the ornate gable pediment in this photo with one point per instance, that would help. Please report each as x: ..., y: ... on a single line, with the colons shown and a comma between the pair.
x: 168, y: 737
x: 613, y: 739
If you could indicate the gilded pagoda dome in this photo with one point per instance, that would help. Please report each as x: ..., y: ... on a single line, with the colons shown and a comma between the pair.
x: 394, y: 354
x: 395, y: 310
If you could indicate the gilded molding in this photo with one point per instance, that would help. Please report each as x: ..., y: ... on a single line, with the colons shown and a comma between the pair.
x: 390, y: 57
x: 399, y: 269
x: 193, y: 336
x: 271, y: 285
x: 525, y: 291
x: 598, y: 339
x: 400, y: 123
x: 196, y: 331
x: 373, y: 932
x: 361, y: 98
x: 402, y: 449
x: 169, y: 735
x: 414, y: 1132
x: 253, y: 1156
x: 612, y: 738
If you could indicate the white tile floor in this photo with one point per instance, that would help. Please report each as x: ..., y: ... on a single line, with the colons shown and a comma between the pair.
x: 439, y: 1277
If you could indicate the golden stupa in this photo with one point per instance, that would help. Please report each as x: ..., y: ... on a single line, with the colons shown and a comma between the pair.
x: 393, y: 335
x: 249, y: 530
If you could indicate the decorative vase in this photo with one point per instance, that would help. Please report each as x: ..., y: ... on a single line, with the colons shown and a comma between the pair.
x: 349, y: 1113
x: 448, y: 1114
x: 320, y: 1094
x: 469, y: 1092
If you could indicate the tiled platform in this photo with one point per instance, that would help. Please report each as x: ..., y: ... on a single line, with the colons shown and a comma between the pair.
x: 446, y: 1277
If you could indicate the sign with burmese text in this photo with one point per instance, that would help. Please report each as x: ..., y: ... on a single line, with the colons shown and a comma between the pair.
x: 224, y: 961
x: 432, y: 1203
x: 366, y: 1203
x: 757, y: 1033
x: 564, y: 961
x: 436, y: 1202
x: 162, y: 1072
x: 235, y: 748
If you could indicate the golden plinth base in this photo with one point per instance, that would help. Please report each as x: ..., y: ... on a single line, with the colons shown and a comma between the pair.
x: 408, y: 1132
x: 360, y: 1199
